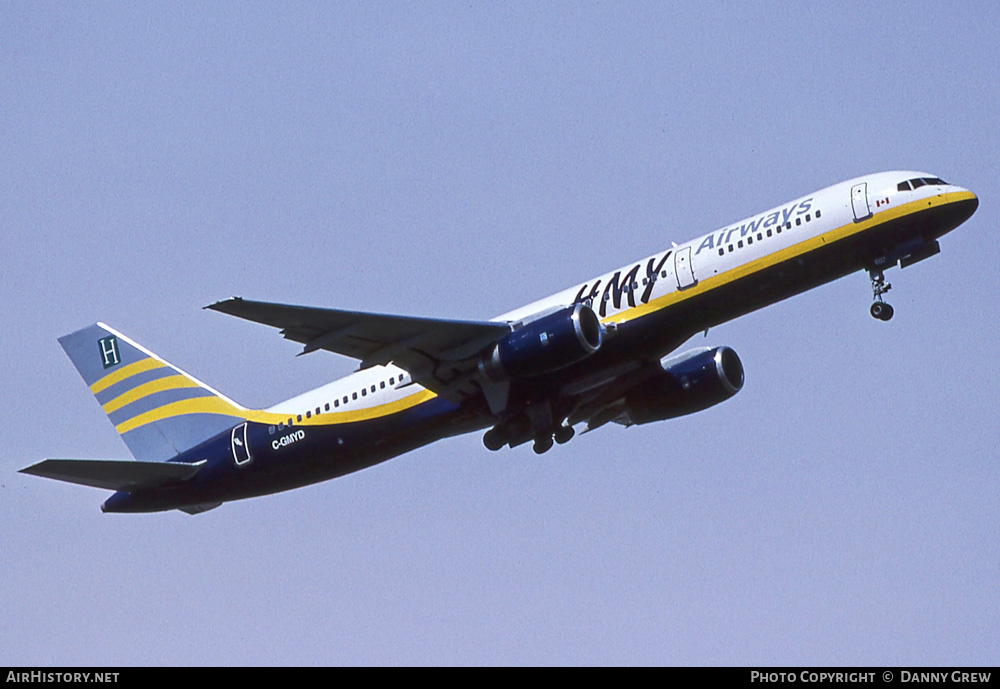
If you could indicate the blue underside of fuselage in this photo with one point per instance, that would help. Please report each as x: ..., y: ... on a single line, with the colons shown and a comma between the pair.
x: 323, y: 452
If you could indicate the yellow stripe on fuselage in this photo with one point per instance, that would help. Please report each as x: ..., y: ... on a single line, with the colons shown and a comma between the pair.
x: 200, y: 405
x: 140, y: 391
x: 125, y: 372
x: 711, y: 282
x: 329, y: 418
x: 215, y: 405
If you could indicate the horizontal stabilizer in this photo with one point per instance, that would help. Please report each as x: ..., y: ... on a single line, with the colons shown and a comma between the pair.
x: 113, y: 474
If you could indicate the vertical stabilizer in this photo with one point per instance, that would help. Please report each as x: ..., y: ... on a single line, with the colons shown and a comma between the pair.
x: 158, y: 410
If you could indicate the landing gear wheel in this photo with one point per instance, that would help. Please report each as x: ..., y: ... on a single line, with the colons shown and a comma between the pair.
x: 543, y: 444
x: 564, y: 434
x: 494, y: 440
x: 881, y: 311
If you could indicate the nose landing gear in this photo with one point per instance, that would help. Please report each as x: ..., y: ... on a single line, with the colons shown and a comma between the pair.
x: 879, y: 309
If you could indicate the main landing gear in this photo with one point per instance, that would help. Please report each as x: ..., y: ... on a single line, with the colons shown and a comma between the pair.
x: 543, y: 442
x: 514, y: 434
x: 880, y: 310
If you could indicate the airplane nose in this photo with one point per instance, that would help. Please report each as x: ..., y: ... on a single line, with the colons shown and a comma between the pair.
x: 965, y: 205
x: 971, y: 202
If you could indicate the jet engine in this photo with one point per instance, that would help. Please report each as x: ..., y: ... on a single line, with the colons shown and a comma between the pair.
x: 544, y: 345
x: 687, y: 383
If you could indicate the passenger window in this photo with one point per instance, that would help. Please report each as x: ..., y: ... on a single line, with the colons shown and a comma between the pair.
x: 798, y: 221
x: 817, y: 212
x: 270, y: 430
x: 382, y: 384
x: 326, y: 406
x: 308, y: 414
x: 364, y: 392
x: 336, y: 403
x: 299, y: 417
x: 739, y: 244
x: 721, y: 251
x: 354, y: 395
x: 769, y: 233
x: 808, y: 218
x: 373, y: 388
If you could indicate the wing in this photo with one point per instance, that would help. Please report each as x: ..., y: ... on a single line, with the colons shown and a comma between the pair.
x: 438, y: 354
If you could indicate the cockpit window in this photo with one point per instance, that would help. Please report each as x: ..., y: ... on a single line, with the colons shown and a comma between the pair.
x: 919, y: 182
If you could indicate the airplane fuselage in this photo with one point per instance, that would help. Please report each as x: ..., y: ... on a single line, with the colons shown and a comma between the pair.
x: 647, y: 309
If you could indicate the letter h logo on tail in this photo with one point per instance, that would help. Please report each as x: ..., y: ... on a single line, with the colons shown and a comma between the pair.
x: 109, y: 351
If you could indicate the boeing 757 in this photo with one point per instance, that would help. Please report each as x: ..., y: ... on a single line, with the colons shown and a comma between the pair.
x: 602, y: 351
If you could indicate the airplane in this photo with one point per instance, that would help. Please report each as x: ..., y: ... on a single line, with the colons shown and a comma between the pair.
x: 599, y: 352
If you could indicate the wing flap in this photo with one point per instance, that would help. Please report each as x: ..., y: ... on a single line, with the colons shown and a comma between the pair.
x: 113, y: 474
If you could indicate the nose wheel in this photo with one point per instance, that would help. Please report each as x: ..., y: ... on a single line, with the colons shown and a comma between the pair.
x: 879, y: 309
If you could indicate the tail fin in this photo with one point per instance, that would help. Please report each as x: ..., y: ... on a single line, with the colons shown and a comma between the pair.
x: 158, y: 410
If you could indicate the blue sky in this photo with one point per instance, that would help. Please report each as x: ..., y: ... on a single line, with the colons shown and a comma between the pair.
x: 456, y: 161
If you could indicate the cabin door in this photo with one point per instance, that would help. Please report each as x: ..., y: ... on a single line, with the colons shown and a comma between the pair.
x: 683, y: 268
x: 241, y: 450
x: 859, y: 201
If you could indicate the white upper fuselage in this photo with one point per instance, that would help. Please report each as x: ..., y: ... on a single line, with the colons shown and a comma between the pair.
x: 781, y: 233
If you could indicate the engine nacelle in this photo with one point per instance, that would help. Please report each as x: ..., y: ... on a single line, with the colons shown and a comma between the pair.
x: 545, y: 345
x: 690, y: 382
